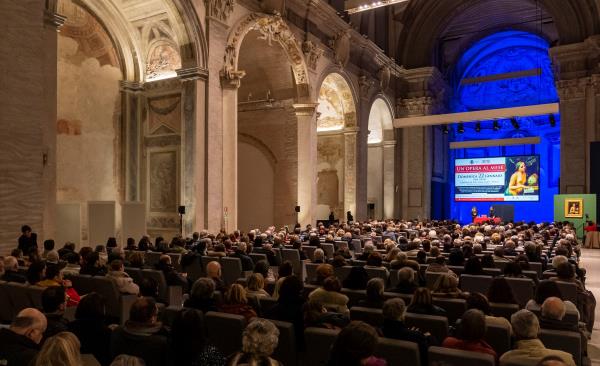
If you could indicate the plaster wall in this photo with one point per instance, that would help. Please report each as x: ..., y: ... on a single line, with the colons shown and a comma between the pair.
x: 330, y: 175
x: 375, y: 180
x: 88, y: 118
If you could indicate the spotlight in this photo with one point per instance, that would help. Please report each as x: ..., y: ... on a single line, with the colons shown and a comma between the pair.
x: 552, y: 120
x: 445, y: 129
x: 514, y: 122
x: 496, y: 125
x: 461, y: 128
x: 478, y: 127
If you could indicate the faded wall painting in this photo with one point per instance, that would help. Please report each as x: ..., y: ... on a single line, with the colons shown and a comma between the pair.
x: 164, y: 115
x: 163, y: 181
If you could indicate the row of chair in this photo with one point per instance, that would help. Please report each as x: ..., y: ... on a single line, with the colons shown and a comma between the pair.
x: 15, y: 297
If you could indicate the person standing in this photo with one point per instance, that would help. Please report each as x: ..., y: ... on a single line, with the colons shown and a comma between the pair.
x: 27, y: 240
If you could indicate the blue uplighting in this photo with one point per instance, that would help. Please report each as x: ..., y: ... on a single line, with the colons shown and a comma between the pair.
x: 500, y: 53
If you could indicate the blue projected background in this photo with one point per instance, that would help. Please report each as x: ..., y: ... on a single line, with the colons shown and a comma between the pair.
x: 504, y: 52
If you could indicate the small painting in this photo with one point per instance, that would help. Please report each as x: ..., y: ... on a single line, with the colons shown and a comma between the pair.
x: 574, y: 208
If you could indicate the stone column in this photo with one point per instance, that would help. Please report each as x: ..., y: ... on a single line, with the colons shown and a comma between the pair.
x: 389, y: 187
x: 350, y: 134
x: 217, y: 39
x: 425, y: 96
x: 578, y: 89
x: 364, y: 110
x: 194, y: 147
x: 131, y: 94
x: 307, y: 162
x: 230, y: 87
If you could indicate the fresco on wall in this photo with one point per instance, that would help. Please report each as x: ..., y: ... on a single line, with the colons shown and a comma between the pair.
x: 336, y: 106
x: 163, y: 181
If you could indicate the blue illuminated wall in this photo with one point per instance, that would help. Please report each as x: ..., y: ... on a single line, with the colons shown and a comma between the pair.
x: 504, y: 52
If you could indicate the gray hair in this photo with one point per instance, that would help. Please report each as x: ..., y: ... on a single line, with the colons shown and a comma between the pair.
x: 319, y: 254
x: 394, y: 309
x: 11, y: 263
x: 525, y: 324
x: 558, y: 260
x: 260, y: 338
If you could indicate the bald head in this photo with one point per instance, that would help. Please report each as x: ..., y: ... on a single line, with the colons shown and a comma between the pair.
x: 30, y: 323
x: 11, y: 263
x: 213, y: 269
x: 553, y: 308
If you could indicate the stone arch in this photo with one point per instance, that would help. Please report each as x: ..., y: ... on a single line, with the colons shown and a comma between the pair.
x: 337, y: 104
x: 272, y: 28
x: 251, y: 140
x: 381, y: 118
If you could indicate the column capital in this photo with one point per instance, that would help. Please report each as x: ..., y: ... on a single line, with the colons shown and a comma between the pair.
x: 572, y: 89
x: 192, y: 73
x: 305, y: 109
x: 53, y: 19
x: 131, y: 86
x: 231, y: 79
x: 351, y: 130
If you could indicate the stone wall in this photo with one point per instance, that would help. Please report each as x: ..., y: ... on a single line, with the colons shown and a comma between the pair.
x: 27, y: 120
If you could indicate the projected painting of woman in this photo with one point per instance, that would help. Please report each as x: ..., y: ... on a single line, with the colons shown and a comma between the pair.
x: 518, y: 180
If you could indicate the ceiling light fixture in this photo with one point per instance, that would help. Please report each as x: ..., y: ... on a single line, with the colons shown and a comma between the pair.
x: 515, y: 123
x: 356, y: 6
x: 496, y: 125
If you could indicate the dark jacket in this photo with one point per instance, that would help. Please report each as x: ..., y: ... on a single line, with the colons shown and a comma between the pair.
x: 26, y: 244
x: 204, y: 305
x: 94, y: 336
x: 426, y: 310
x: 398, y: 330
x: 292, y: 312
x: 15, y: 349
x: 172, y: 277
x: 148, y: 342
x: 374, y: 304
x: 247, y: 262
x: 12, y: 276
x: 56, y: 324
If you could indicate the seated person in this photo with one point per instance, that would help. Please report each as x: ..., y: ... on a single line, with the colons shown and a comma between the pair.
x: 172, y: 277
x: 478, y: 301
x: 318, y: 256
x: 355, y: 345
x: 259, y: 341
x: 121, y: 278
x: 236, y: 302
x: 447, y: 286
x: 202, y: 296
x: 316, y: 315
x: 501, y: 292
x: 553, y: 312
x: 90, y: 327
x: 92, y: 265
x: 240, y: 252
x: 54, y: 305
x: 471, y: 331
x: 394, y: 311
x: 406, y: 281
x: 421, y: 303
x: 256, y: 286
x: 54, y: 277
x: 546, y: 289
x: 439, y: 265
x: 188, y: 345
x: 11, y: 271
x: 528, y: 349
x: 142, y: 335
x: 357, y: 278
x: 20, y: 343
x: 375, y: 298
x: 330, y: 296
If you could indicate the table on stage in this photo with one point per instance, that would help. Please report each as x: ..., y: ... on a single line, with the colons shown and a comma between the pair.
x: 592, y: 240
x: 484, y: 220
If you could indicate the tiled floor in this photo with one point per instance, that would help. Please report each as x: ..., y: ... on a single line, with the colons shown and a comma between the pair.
x: 590, y: 260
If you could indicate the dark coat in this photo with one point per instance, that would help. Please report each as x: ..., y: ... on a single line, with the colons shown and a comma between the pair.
x: 94, y: 336
x: 15, y: 349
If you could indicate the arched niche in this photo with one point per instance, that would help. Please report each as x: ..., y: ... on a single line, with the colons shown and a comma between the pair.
x: 381, y: 145
x: 336, y: 148
x: 264, y: 57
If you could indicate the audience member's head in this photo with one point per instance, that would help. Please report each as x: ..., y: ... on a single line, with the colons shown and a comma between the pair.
x: 11, y: 264
x: 256, y: 282
x: 477, y: 300
x: 36, y: 272
x: 61, y: 349
x: 202, y: 289
x: 127, y: 360
x: 53, y: 299
x: 213, y: 269
x: 422, y: 296
x: 323, y: 271
x: 291, y: 290
x: 546, y: 289
x: 30, y: 323
x: 501, y: 292
x: 262, y: 267
x: 286, y: 269
x: 394, y: 309
x: 525, y: 324
x: 148, y: 287
x: 353, y: 345
x: 143, y: 311
x: 91, y: 307
x: 260, y: 338
x: 375, y: 288
x: 235, y: 295
x: 48, y: 245
x: 553, y: 308
x: 472, y: 326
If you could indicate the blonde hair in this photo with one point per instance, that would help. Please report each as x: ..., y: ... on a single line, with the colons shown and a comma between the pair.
x: 62, y: 349
x: 236, y: 295
x: 256, y: 282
